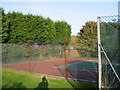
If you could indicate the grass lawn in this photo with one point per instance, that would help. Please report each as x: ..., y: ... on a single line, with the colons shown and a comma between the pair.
x: 14, y: 79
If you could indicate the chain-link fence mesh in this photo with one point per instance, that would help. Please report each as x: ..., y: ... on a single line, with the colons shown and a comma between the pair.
x: 19, y: 53
x: 51, y: 60
x: 80, y: 65
x: 24, y: 56
x: 110, y: 43
x: 81, y: 68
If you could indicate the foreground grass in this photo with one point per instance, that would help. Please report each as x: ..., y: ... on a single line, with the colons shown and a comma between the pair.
x: 14, y: 79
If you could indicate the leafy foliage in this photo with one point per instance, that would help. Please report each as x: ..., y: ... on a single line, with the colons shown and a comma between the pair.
x: 73, y: 43
x: 87, y: 39
x: 62, y: 30
x: 20, y: 28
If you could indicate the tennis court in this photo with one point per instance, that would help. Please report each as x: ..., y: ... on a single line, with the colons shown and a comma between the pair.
x: 77, y: 68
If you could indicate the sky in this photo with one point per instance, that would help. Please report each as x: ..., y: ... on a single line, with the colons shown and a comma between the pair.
x: 74, y: 12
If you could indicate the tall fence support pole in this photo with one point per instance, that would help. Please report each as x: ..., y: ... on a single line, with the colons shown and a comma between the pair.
x: 65, y: 61
x: 99, y: 55
x: 29, y: 60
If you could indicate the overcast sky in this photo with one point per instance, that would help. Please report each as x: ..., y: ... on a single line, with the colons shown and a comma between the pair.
x: 74, y: 12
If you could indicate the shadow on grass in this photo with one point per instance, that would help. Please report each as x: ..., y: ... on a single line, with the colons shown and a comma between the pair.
x: 18, y: 85
x: 85, y: 85
x: 15, y: 85
x: 43, y: 84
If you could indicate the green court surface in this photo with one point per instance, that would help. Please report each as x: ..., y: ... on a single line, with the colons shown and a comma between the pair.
x: 90, y: 65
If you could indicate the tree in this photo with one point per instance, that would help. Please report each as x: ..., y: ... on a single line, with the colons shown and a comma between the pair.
x: 21, y: 28
x: 62, y: 30
x: 87, y: 39
x: 73, y: 43
x: 1, y: 15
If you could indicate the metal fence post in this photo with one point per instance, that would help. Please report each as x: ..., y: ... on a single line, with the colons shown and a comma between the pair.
x: 99, y: 55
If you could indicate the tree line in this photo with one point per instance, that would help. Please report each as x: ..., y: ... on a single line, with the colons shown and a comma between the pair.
x: 17, y: 27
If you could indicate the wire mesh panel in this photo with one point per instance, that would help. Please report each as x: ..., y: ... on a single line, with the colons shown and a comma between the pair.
x: 14, y: 53
x: 81, y: 64
x: 31, y: 57
x: 81, y: 68
x: 59, y: 60
x: 110, y: 47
